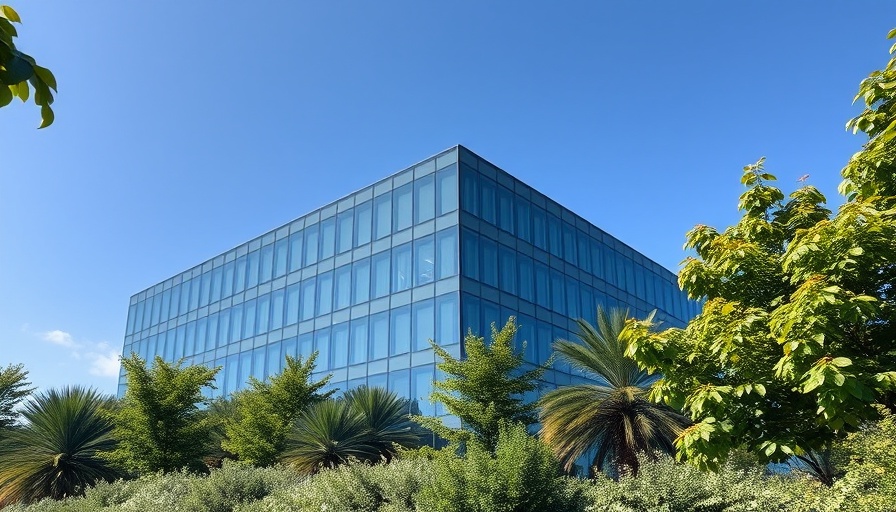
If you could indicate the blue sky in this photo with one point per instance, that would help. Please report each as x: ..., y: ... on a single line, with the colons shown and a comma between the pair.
x: 185, y: 128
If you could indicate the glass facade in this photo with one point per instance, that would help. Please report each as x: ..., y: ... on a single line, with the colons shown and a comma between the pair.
x: 448, y: 244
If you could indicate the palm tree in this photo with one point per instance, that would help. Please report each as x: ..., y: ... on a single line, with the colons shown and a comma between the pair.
x: 387, y: 417
x: 367, y: 424
x: 55, y: 453
x: 615, y: 419
x: 328, y: 434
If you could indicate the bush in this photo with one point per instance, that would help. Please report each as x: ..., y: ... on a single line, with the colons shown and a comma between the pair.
x: 521, y: 476
x: 353, y: 487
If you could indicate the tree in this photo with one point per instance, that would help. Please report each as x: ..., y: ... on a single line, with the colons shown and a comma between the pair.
x: 14, y: 386
x: 56, y: 453
x: 18, y: 69
x: 616, y: 419
x: 367, y: 424
x: 484, y: 390
x: 159, y: 426
x: 795, y: 342
x: 264, y: 413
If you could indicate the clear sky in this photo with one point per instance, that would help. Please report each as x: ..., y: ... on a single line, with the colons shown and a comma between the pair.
x: 186, y: 128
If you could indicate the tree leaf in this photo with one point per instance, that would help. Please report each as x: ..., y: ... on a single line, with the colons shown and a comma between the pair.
x: 5, y: 95
x: 10, y: 14
x: 46, y: 116
x: 46, y: 75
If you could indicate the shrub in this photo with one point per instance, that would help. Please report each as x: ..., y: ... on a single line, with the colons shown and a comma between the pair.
x: 521, y: 476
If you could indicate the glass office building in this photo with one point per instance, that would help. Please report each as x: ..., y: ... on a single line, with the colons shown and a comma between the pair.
x: 450, y: 244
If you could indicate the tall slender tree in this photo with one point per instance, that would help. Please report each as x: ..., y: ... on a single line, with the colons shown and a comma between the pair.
x: 14, y: 387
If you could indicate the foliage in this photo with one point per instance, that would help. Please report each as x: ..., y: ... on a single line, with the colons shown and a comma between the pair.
x: 521, y: 475
x: 615, y: 419
x: 368, y: 424
x: 18, y: 69
x: 264, y: 413
x: 14, y: 386
x: 159, y: 426
x: 663, y: 484
x: 870, y: 465
x: 795, y: 342
x: 354, y: 487
x: 223, y: 490
x: 56, y: 452
x: 485, y: 389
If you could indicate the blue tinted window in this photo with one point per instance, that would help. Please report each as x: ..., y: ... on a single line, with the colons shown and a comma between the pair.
x: 252, y: 270
x: 584, y: 246
x: 424, y: 199
x: 588, y: 306
x: 327, y: 238
x: 403, y: 202
x: 489, y: 273
x: 525, y: 336
x: 505, y: 209
x: 324, y: 293
x: 363, y: 219
x: 507, y: 269
x: 239, y: 283
x: 245, y: 369
x: 166, y: 304
x: 138, y: 316
x: 470, y: 248
x: 361, y: 281
x: 291, y: 347
x: 249, y: 319
x: 224, y: 328
x: 424, y: 324
x: 542, y: 286
x: 195, y: 285
x: 212, y: 341
x: 377, y: 381
x: 296, y: 250
x: 258, y: 369
x: 527, y: 279
x: 312, y: 236
x: 231, y: 368
x: 201, y: 340
x: 227, y: 283
x: 424, y: 260
x: 263, y: 322
x: 382, y: 216
x: 306, y: 347
x: 217, y: 282
x: 180, y: 339
x: 470, y: 190
x: 572, y: 298
x: 629, y: 276
x: 343, y: 287
x: 340, y: 345
x: 539, y: 228
x: 544, y: 340
x: 446, y: 253
x: 401, y: 268
x: 357, y: 351
x: 292, y: 304
x: 554, y: 237
x: 275, y: 359
x: 609, y: 268
x: 205, y: 291
x: 523, y: 223
x: 281, y: 257
x: 558, y: 292
x: 132, y: 309
x: 308, y: 299
x: 267, y: 264
x: 447, y: 190
x: 421, y: 388
x: 400, y: 383
x: 322, y: 346
x: 487, y: 207
x: 569, y: 244
x: 344, y: 238
x: 447, y: 320
x: 277, y: 308
x: 491, y: 316
x: 189, y: 341
x: 640, y: 291
x: 236, y: 323
x: 379, y: 335
x: 596, y: 260
x: 401, y: 330
x: 380, y: 275
x: 471, y: 318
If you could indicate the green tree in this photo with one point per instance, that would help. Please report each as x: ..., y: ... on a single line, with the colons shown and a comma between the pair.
x: 18, y: 69
x: 367, y: 424
x: 56, y: 453
x: 616, y: 419
x: 264, y: 413
x: 158, y: 425
x: 795, y: 342
x: 484, y: 390
x: 14, y: 386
